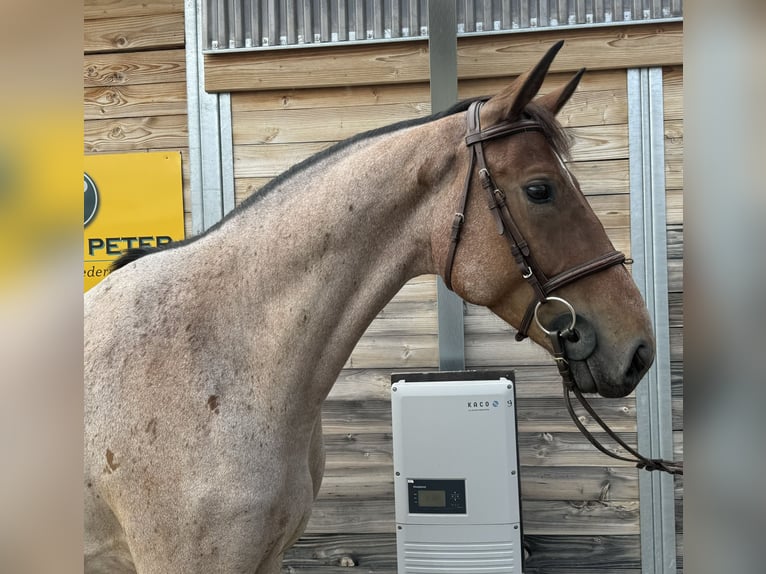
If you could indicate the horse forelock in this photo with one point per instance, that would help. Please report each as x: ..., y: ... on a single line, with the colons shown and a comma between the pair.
x: 554, y: 132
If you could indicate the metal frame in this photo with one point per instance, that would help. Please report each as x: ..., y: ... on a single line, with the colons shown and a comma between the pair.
x: 650, y: 271
x: 442, y: 50
x: 210, y: 138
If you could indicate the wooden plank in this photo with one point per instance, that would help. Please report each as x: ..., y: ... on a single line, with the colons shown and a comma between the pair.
x: 413, y: 93
x: 545, y: 554
x: 319, y: 124
x: 620, y: 237
x: 405, y: 324
x: 599, y: 142
x: 546, y: 415
x: 585, y: 108
x: 590, y: 143
x: 324, y: 554
x: 676, y: 344
x: 675, y: 241
x: 548, y: 483
x: 271, y: 160
x: 501, y: 350
x: 415, y: 351
x: 592, y: 81
x: 538, y: 516
x: 353, y: 422
x: 244, y: 187
x: 568, y: 449
x: 335, y: 123
x: 532, y: 381
x: 144, y: 32
x: 674, y: 159
x: 339, y: 123
x: 135, y: 101
x: 565, y: 448
x: 156, y: 67
x: 478, y: 57
x: 580, y: 517
x: 136, y: 134
x: 674, y: 139
x: 94, y: 9
x: 398, y: 62
x: 608, y: 554
x: 676, y: 275
x: 579, y: 483
x: 609, y: 48
x: 676, y: 309
x: 673, y: 92
x: 674, y: 171
x: 330, y: 97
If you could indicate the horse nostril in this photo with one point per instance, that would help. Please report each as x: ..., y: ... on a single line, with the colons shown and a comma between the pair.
x: 575, y: 336
x: 642, y: 360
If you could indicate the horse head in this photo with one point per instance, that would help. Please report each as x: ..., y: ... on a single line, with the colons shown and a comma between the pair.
x: 539, y: 257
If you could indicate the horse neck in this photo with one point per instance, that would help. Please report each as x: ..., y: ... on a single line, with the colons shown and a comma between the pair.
x: 315, y: 260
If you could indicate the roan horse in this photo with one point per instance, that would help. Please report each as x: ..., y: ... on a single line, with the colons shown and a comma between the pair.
x: 207, y: 362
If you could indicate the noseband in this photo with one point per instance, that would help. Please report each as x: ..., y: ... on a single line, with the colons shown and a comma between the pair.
x: 541, y: 284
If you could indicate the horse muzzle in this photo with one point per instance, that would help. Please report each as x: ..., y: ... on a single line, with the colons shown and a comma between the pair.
x: 575, y: 340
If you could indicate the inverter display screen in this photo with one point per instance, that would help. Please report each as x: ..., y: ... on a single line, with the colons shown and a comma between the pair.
x: 436, y: 496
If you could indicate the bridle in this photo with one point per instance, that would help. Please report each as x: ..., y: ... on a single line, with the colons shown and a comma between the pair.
x: 541, y: 284
x: 506, y: 226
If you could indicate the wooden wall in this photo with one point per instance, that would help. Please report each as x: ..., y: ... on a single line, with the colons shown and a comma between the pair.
x: 581, y: 510
x: 134, y: 78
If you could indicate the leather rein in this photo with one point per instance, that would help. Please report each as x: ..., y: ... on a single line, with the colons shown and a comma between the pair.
x: 542, y: 285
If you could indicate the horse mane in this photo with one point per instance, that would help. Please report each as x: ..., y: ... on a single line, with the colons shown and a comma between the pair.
x: 130, y: 255
x: 552, y: 130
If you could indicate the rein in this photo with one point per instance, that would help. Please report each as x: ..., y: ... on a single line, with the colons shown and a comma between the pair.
x: 641, y: 461
x: 541, y: 285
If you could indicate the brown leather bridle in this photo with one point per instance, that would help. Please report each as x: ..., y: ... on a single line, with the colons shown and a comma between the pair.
x: 506, y: 226
x: 541, y: 284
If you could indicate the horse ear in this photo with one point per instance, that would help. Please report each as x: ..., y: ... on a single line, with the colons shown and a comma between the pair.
x: 555, y: 100
x: 510, y: 103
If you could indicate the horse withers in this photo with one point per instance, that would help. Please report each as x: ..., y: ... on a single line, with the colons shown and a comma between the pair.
x: 207, y: 361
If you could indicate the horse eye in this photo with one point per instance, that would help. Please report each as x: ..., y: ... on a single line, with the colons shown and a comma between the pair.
x: 539, y: 192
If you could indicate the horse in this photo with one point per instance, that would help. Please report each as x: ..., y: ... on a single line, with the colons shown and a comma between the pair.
x: 207, y: 361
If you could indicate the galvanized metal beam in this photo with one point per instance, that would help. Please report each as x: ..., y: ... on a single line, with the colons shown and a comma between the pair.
x: 442, y: 47
x: 209, y: 122
x: 650, y: 271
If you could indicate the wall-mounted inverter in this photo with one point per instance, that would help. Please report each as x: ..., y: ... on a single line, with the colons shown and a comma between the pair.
x: 456, y: 473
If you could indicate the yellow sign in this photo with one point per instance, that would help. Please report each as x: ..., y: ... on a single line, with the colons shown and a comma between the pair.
x: 131, y: 200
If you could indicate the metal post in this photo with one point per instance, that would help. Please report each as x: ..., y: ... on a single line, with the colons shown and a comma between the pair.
x: 649, y: 251
x: 442, y: 49
x: 211, y: 164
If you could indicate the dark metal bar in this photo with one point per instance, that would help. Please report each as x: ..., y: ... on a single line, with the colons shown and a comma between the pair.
x: 442, y: 49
